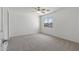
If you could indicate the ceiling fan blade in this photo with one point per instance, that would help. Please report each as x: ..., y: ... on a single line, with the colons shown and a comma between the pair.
x: 43, y: 9
x: 43, y: 12
x: 47, y: 10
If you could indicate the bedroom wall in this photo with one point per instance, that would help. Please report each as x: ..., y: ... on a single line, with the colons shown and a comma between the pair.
x: 1, y: 24
x: 0, y: 19
x: 4, y: 23
x: 22, y: 23
x: 65, y: 25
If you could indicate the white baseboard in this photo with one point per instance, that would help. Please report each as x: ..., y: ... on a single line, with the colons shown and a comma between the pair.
x: 60, y: 37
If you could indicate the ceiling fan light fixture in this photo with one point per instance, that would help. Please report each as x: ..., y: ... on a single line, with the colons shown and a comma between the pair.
x: 40, y: 10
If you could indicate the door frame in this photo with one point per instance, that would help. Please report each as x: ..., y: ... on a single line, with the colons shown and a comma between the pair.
x: 6, y: 23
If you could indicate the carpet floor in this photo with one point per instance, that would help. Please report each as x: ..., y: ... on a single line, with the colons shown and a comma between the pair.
x: 40, y: 42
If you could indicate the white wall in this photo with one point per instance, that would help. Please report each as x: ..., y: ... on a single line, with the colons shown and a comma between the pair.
x: 4, y: 23
x: 66, y: 24
x: 1, y: 24
x: 22, y: 24
x: 0, y: 19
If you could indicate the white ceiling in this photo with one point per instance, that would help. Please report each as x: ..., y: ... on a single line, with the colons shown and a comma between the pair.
x: 30, y: 9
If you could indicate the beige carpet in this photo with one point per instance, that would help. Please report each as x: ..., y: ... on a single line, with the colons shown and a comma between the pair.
x: 40, y: 42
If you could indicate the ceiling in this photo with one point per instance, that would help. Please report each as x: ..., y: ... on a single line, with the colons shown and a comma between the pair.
x: 31, y: 9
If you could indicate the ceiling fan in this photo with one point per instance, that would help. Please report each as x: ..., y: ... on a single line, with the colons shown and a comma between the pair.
x: 41, y: 10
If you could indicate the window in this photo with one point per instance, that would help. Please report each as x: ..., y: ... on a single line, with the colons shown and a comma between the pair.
x: 48, y: 22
